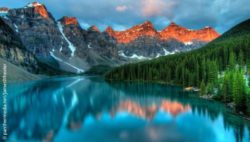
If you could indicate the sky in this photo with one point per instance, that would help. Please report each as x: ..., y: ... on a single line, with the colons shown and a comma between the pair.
x: 123, y: 14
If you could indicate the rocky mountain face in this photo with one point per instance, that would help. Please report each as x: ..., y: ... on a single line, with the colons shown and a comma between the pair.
x: 12, y: 49
x: 91, y: 46
x: 127, y: 36
x: 38, y: 31
x: 64, y: 45
x: 61, y: 44
x: 173, y: 31
x: 145, y: 42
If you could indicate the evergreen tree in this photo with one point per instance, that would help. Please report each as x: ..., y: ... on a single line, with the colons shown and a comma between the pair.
x: 238, y: 91
x: 248, y: 103
x: 203, y: 90
x: 210, y: 88
x: 226, y: 88
x: 241, y: 59
x: 212, y: 72
x: 248, y: 67
x: 231, y: 60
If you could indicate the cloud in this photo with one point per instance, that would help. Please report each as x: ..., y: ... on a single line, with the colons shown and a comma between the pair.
x: 152, y: 8
x: 121, y: 8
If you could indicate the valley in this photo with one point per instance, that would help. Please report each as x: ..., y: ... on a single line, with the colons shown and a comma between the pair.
x: 125, y: 71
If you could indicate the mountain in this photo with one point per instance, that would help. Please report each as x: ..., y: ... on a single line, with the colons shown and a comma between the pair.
x: 64, y: 45
x: 37, y: 30
x: 91, y: 46
x: 12, y: 49
x: 174, y: 31
x: 191, y: 68
x: 127, y: 36
x: 4, y: 10
x: 143, y: 41
x: 69, y: 20
x: 61, y: 44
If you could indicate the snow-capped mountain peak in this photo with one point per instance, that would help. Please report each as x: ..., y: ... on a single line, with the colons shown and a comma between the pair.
x: 34, y: 4
x: 4, y: 10
x: 38, y: 8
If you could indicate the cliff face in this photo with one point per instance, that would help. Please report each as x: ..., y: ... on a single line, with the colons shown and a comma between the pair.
x: 37, y: 29
x: 12, y: 49
x: 68, y: 20
x: 92, y: 46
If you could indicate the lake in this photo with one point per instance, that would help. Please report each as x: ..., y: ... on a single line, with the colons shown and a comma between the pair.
x: 88, y: 109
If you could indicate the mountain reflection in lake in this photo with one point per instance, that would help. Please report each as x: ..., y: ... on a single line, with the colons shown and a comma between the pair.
x: 89, y: 109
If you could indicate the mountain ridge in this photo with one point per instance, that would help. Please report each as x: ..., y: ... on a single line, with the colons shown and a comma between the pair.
x: 172, y: 31
x: 65, y: 45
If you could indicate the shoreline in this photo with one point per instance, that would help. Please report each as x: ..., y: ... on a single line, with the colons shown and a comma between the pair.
x: 227, y: 106
x: 205, y: 97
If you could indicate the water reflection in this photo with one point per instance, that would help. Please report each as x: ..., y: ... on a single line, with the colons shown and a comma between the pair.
x: 149, y: 111
x: 87, y: 108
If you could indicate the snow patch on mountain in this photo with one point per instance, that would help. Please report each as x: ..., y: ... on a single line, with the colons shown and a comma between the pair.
x: 158, y: 55
x: 33, y: 4
x: 3, y: 12
x: 188, y: 43
x: 62, y: 61
x: 70, y: 45
x: 169, y: 53
x: 166, y: 52
x: 89, y: 45
x: 16, y: 28
x: 134, y: 56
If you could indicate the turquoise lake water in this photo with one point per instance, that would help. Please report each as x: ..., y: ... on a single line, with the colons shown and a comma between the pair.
x: 88, y: 109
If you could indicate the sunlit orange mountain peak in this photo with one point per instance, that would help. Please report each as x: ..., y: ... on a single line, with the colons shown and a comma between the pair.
x: 39, y: 8
x: 94, y: 28
x: 69, y: 20
x: 172, y: 31
x: 144, y: 29
x: 182, y: 34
